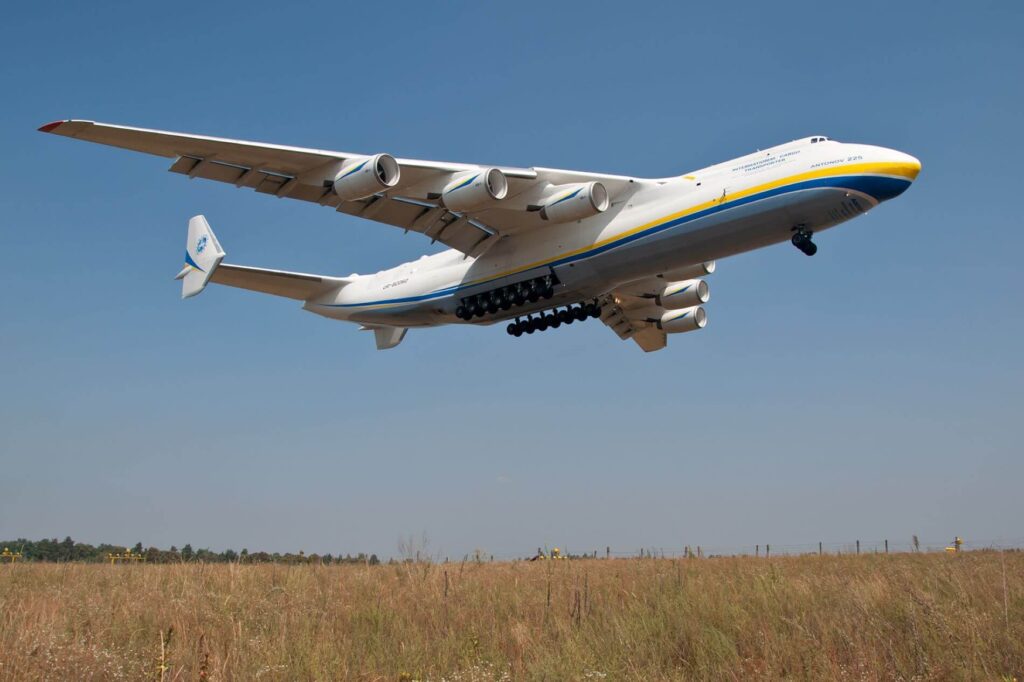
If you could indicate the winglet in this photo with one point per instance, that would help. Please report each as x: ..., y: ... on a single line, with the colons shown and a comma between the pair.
x: 203, y: 254
x: 49, y: 127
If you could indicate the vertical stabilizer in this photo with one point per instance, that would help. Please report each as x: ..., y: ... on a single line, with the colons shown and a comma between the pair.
x: 203, y: 254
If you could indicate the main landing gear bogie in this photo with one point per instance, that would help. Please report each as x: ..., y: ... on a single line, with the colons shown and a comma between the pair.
x: 802, y: 240
x: 490, y: 302
x: 553, y: 319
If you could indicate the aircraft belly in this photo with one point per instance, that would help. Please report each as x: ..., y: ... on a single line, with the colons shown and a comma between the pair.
x: 728, y: 233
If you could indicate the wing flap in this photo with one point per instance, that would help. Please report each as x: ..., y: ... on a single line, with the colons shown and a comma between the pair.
x: 301, y: 173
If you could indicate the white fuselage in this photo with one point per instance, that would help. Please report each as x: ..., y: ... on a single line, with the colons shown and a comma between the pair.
x: 712, y: 213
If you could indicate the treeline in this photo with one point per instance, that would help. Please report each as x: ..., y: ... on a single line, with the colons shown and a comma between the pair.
x: 55, y: 550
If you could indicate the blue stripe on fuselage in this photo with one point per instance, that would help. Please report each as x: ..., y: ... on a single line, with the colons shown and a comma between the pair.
x: 881, y: 188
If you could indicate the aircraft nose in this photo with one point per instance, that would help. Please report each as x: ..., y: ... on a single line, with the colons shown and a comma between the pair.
x: 911, y: 166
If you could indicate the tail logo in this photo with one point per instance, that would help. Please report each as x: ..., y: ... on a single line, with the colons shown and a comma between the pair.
x: 201, y: 245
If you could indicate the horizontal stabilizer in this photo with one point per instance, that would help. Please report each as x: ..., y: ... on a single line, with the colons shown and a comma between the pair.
x: 203, y: 256
x: 297, y: 285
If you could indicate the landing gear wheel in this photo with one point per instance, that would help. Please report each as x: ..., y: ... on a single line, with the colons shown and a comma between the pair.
x: 801, y: 239
x: 512, y: 328
x: 565, y: 316
x: 579, y: 313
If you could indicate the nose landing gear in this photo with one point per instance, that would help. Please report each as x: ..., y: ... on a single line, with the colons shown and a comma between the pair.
x: 802, y: 240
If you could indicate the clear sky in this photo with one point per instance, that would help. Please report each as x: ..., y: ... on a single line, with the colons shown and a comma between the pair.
x: 873, y: 391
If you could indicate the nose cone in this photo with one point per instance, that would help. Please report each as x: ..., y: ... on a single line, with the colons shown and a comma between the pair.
x: 907, y: 165
x: 893, y: 173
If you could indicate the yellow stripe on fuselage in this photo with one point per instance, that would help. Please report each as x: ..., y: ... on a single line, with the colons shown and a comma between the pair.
x: 903, y: 170
x: 907, y: 171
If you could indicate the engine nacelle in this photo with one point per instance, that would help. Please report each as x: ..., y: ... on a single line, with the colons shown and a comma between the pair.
x: 685, y: 320
x: 685, y: 294
x: 365, y: 177
x: 475, y: 188
x: 576, y: 202
x: 690, y: 271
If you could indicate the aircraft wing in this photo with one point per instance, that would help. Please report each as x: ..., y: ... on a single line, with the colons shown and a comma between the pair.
x: 615, y: 313
x: 308, y: 175
x: 633, y: 310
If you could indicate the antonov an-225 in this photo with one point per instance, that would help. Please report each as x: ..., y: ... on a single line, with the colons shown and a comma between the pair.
x: 535, y: 248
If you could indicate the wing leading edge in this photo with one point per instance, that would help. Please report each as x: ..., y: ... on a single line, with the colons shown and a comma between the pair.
x: 307, y: 174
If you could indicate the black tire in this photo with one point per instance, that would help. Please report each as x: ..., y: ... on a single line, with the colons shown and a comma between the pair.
x: 462, y: 313
x: 511, y: 329
x: 565, y: 316
x: 552, y: 321
x: 548, y: 293
x: 579, y: 313
x: 810, y: 248
x: 798, y: 240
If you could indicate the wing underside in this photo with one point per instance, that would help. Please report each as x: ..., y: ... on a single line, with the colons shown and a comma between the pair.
x: 306, y: 175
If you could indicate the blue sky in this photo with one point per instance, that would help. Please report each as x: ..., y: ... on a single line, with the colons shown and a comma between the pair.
x: 873, y: 391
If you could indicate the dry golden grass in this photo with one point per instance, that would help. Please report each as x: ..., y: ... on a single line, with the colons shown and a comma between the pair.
x: 907, y: 616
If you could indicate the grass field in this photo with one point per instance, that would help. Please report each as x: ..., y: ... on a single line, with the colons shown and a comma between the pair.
x: 900, y: 616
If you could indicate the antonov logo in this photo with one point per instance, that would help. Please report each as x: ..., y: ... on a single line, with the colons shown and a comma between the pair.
x: 201, y: 244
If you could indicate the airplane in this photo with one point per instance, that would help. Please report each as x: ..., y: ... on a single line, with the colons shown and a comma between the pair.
x: 535, y: 248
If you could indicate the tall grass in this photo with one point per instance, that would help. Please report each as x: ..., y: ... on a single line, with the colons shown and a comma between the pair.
x: 905, y: 616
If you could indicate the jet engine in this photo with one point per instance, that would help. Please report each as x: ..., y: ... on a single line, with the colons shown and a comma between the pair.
x: 685, y: 320
x: 366, y: 176
x: 671, y: 321
x: 690, y: 271
x: 576, y: 202
x: 474, y: 188
x: 678, y: 295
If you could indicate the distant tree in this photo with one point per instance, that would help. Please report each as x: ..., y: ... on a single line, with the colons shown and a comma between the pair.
x: 229, y: 555
x: 187, y: 553
x: 137, y: 549
x: 374, y: 560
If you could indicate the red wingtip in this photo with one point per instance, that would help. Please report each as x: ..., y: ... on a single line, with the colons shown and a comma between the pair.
x: 50, y: 126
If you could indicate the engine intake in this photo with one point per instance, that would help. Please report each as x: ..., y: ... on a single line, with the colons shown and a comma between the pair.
x: 366, y: 176
x: 685, y: 320
x: 576, y: 202
x: 472, y: 189
x: 690, y: 271
x: 678, y: 295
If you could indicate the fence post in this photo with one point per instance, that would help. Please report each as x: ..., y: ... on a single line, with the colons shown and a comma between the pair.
x: 819, y: 547
x: 767, y: 551
x: 757, y: 550
x: 886, y: 546
x: 858, y: 546
x: 608, y: 552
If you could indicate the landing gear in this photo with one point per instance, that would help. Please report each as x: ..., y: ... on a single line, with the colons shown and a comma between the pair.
x: 802, y: 240
x: 553, y: 319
